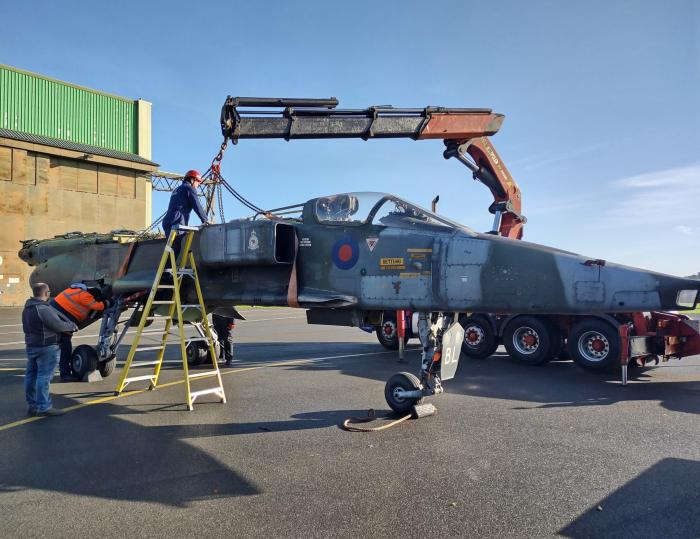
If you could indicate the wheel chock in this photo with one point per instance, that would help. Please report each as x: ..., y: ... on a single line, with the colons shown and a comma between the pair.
x: 91, y: 377
x: 425, y: 409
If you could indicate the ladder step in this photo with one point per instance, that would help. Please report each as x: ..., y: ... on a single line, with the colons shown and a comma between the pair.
x: 166, y: 286
x: 145, y: 348
x: 163, y: 302
x: 137, y: 378
x: 203, y: 374
x: 144, y: 363
x: 185, y: 271
x: 191, y: 306
x: 197, y: 339
x: 217, y: 390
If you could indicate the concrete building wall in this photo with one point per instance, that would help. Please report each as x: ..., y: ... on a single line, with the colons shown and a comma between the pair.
x: 46, y: 192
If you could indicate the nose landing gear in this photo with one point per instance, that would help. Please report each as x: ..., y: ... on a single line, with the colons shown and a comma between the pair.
x: 441, y: 336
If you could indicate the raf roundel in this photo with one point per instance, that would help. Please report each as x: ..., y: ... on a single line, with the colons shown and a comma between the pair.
x: 345, y: 253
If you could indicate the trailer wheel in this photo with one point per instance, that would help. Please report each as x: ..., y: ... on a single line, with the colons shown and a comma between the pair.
x: 387, y: 333
x: 83, y: 360
x: 407, y: 382
x: 531, y: 340
x: 479, y: 337
x: 595, y: 345
x: 107, y: 367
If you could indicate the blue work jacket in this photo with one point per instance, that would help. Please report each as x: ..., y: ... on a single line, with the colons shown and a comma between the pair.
x: 183, y: 200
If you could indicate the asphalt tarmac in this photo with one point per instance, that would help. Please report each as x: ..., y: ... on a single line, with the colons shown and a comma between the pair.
x: 514, y: 451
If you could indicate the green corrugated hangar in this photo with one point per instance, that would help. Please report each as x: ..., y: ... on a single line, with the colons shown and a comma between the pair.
x: 71, y: 159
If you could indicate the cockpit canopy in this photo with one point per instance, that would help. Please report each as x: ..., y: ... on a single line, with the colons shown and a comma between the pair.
x: 353, y: 209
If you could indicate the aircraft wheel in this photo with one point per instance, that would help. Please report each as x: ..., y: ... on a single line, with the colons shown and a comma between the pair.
x: 479, y: 337
x: 407, y: 382
x: 531, y: 340
x: 387, y: 333
x: 595, y: 345
x: 83, y: 360
x: 197, y: 353
x: 107, y: 367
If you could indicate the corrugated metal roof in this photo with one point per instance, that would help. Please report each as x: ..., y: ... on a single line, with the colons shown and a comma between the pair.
x: 74, y: 146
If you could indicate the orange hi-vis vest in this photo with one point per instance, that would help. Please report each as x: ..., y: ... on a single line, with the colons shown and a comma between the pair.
x: 78, y: 303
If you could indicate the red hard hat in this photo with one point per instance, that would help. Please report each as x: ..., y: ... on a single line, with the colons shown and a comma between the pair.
x: 194, y: 174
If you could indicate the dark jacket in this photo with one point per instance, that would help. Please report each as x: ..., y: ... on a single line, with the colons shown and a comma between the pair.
x: 42, y: 324
x: 183, y: 200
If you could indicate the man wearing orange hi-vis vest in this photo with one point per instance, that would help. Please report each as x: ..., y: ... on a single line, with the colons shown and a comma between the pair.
x: 76, y: 302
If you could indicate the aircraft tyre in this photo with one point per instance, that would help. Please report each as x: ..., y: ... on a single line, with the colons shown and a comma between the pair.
x: 480, y: 339
x: 387, y: 335
x: 83, y: 360
x: 595, y: 345
x: 107, y: 367
x: 531, y: 340
x: 407, y: 382
x: 197, y: 352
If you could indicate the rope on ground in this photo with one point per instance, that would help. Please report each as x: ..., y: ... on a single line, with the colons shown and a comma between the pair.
x: 350, y: 424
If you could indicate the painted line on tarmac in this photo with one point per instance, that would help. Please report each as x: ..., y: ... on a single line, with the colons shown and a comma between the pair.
x: 110, y: 398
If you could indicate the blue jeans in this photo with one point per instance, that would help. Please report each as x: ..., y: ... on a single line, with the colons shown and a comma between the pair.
x: 41, y: 363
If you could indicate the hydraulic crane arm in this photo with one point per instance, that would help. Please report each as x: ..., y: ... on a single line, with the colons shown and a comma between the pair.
x: 464, y: 131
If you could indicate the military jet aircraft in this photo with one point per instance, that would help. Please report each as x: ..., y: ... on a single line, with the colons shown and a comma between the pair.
x: 348, y: 257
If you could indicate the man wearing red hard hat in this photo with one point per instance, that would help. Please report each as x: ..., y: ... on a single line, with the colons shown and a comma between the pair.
x: 183, y: 200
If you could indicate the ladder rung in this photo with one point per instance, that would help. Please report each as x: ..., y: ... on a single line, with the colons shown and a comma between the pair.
x: 203, y: 374
x: 145, y: 348
x: 144, y: 363
x: 185, y: 271
x: 163, y: 302
x: 217, y: 390
x: 137, y: 378
x: 191, y: 306
x: 166, y: 286
x: 196, y: 339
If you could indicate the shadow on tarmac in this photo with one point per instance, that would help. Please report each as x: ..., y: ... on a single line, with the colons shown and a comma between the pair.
x: 557, y: 384
x: 114, y: 458
x: 117, y: 458
x: 660, y: 502
x: 109, y: 454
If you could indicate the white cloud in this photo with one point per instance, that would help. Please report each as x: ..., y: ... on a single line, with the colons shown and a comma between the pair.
x: 658, y: 198
x: 683, y: 229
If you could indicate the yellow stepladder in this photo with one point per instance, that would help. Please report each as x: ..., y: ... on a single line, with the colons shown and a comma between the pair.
x: 186, y: 269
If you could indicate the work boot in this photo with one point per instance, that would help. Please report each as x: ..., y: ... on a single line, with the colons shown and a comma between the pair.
x: 50, y: 413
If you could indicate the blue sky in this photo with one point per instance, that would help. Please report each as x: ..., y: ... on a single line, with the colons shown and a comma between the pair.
x: 602, y: 101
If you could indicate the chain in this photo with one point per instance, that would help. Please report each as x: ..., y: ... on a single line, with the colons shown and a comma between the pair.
x: 220, y: 197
